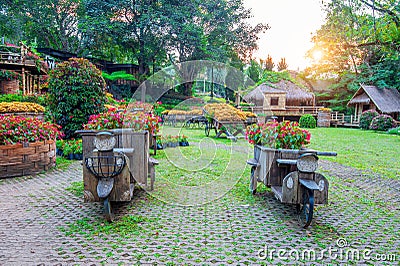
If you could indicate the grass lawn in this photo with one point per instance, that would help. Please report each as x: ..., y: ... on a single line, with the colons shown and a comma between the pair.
x: 361, y: 149
x: 204, y: 171
x: 210, y: 160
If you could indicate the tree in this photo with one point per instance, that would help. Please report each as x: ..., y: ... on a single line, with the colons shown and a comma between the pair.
x: 146, y: 32
x: 282, y: 64
x: 267, y: 64
x: 53, y: 23
x: 76, y: 91
x: 254, y: 71
x: 360, y: 43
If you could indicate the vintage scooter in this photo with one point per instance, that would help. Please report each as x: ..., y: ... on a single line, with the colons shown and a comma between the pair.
x: 109, y: 166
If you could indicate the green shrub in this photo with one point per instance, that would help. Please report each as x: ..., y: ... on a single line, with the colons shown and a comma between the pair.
x: 395, y: 131
x: 366, y: 118
x: 382, y: 123
x: 307, y: 121
x: 20, y: 98
x: 76, y: 91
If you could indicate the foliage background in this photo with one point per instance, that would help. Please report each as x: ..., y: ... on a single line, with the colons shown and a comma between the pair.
x: 76, y: 90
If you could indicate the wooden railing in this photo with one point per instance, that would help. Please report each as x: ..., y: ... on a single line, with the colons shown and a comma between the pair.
x: 288, y: 110
x: 8, y: 57
x: 14, y: 58
x: 340, y: 118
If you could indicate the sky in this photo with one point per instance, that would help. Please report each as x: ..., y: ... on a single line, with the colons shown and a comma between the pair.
x: 292, y: 22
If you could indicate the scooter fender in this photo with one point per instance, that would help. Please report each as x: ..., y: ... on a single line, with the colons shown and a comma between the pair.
x: 104, y: 187
x: 310, y: 184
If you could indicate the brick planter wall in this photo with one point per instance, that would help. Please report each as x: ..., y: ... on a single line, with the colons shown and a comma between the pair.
x: 27, y: 158
x: 9, y: 86
x: 39, y: 116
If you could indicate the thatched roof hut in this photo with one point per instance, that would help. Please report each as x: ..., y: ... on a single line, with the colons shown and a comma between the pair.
x: 294, y: 95
x: 384, y: 100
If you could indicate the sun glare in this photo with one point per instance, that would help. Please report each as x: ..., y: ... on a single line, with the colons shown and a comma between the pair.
x: 317, y: 55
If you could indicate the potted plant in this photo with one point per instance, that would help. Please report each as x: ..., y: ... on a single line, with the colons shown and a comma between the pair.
x: 276, y: 140
x: 59, y: 147
x: 78, y: 154
x: 254, y: 137
x: 183, y: 140
x: 159, y: 142
x: 174, y: 141
x: 68, y: 150
x: 283, y: 135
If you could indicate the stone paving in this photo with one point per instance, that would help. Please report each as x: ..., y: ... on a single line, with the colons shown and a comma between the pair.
x: 44, y: 224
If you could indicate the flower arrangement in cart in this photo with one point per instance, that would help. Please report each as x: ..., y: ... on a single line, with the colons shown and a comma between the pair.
x: 114, y: 118
x: 283, y: 135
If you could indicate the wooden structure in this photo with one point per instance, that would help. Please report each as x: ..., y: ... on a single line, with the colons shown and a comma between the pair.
x: 103, y: 65
x: 383, y: 100
x: 30, y: 70
x: 283, y: 99
x: 26, y: 159
x: 324, y: 119
x: 291, y: 176
x: 137, y: 144
x: 340, y: 119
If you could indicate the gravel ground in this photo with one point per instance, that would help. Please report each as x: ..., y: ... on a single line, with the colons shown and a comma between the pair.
x: 44, y: 224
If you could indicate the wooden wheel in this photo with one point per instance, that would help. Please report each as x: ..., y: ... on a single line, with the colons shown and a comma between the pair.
x: 253, y: 181
x: 307, y: 208
x: 207, y: 129
x: 107, y: 210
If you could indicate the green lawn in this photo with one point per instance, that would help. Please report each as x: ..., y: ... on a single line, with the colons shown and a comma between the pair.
x: 361, y: 149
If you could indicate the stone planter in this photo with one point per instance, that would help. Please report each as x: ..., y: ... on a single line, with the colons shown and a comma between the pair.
x: 27, y: 159
x: 324, y: 119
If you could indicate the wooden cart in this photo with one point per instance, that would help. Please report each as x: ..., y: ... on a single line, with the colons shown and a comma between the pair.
x: 110, y: 174
x: 292, y: 177
x: 232, y: 129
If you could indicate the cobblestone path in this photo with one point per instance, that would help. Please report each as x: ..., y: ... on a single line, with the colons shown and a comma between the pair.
x: 44, y: 224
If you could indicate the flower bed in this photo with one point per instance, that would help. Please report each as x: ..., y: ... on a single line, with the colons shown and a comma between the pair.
x: 27, y: 145
x: 19, y: 107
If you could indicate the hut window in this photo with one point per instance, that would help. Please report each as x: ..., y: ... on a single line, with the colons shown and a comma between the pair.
x: 274, y: 101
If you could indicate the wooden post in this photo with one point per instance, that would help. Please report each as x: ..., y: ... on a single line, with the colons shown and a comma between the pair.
x: 28, y: 83
x: 23, y: 82
x: 38, y: 84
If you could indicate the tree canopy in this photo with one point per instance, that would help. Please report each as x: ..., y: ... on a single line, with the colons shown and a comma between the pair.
x: 151, y: 33
x: 359, y: 43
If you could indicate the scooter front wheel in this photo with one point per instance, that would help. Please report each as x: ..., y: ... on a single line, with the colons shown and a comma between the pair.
x: 108, y: 211
x: 307, y: 207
